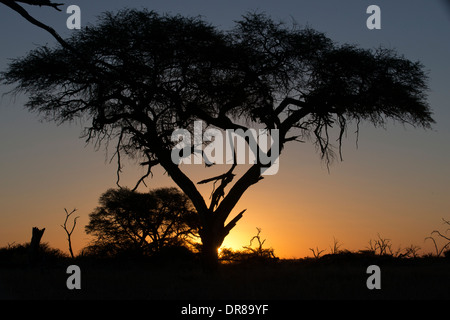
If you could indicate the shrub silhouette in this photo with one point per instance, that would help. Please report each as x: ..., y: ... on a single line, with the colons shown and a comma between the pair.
x: 17, y: 255
x: 249, y: 253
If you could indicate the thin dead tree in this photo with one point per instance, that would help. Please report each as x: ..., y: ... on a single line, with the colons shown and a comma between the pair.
x: 259, y: 250
x: 316, y: 252
x: 447, y: 245
x: 69, y: 233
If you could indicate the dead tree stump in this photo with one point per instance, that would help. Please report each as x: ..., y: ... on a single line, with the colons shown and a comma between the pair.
x: 35, y: 245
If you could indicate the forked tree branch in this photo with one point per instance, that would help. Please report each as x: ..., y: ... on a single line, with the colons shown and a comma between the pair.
x: 218, y: 193
x: 233, y: 222
x: 20, y: 10
x: 69, y: 233
x: 439, y: 252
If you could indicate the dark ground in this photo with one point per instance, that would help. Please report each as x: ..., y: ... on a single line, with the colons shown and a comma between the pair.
x: 326, y: 278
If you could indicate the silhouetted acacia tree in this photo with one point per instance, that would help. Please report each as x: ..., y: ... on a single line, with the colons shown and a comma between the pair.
x: 143, y: 75
x: 142, y: 223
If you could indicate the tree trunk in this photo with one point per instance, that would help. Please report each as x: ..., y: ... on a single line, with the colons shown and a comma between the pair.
x: 212, y: 234
x: 210, y: 258
x: 35, y: 244
x: 212, y: 238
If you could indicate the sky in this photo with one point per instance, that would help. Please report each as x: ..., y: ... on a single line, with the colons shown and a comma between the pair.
x: 393, y: 183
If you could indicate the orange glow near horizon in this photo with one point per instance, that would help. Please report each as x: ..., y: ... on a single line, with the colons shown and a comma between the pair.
x: 301, y: 207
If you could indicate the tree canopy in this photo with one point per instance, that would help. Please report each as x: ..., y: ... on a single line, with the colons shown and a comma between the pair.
x: 142, y: 223
x: 138, y: 75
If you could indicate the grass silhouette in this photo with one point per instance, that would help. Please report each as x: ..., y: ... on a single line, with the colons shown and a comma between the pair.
x: 255, y: 273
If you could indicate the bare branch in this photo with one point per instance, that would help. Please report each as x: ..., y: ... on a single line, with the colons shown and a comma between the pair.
x: 252, y: 176
x: 286, y: 102
x: 41, y: 3
x: 445, y: 246
x: 441, y: 235
x: 316, y: 252
x: 218, y: 193
x: 260, y: 243
x: 20, y: 10
x: 233, y: 222
x: 69, y: 233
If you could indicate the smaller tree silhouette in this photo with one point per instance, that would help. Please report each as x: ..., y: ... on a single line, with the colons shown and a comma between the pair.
x: 442, y: 237
x: 382, y: 246
x: 69, y: 233
x: 259, y: 251
x: 142, y: 223
x: 250, y: 253
x: 316, y: 252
